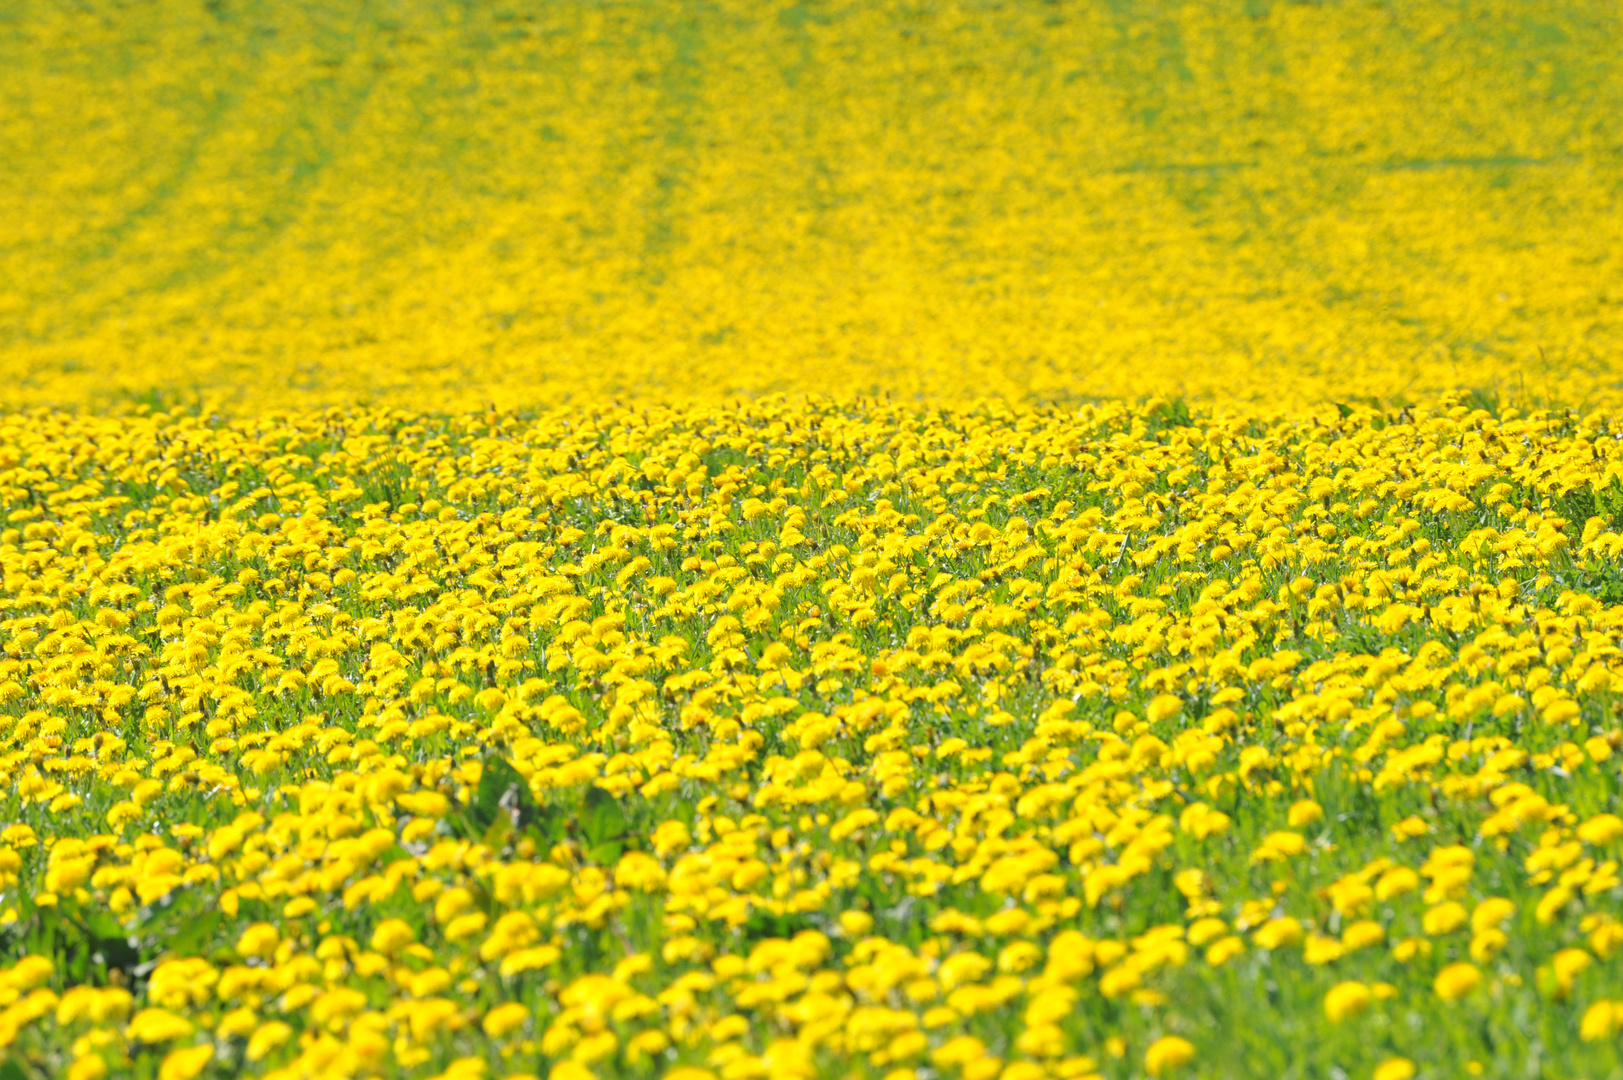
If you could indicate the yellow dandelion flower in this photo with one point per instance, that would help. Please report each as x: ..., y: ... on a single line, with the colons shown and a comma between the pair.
x: 1168, y: 1053
x: 1395, y: 1068
x: 1457, y: 980
x: 158, y: 1026
x: 1346, y: 999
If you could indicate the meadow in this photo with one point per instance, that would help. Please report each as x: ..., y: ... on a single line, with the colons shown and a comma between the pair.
x: 981, y: 541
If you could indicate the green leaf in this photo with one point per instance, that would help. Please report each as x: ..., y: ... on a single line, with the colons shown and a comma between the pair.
x: 194, y: 933
x: 606, y: 853
x: 602, y: 819
x: 497, y: 836
x: 503, y: 797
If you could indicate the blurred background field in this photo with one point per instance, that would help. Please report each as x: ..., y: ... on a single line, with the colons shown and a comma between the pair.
x: 254, y: 204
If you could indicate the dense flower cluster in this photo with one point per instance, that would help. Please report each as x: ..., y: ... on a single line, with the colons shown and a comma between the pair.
x: 799, y: 739
x: 534, y: 204
x: 931, y: 541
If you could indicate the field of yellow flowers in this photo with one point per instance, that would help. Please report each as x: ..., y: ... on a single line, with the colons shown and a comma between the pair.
x: 249, y: 201
x: 810, y: 739
x: 937, y: 541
